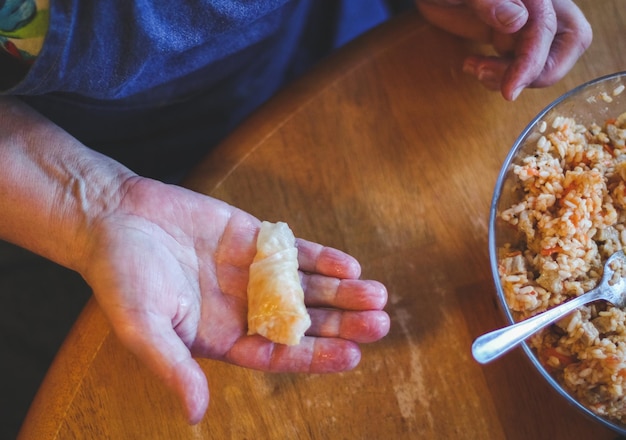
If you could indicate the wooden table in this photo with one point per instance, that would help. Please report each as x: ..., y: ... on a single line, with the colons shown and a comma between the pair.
x: 389, y: 152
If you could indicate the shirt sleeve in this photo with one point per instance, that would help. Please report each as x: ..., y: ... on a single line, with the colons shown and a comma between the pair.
x: 23, y: 26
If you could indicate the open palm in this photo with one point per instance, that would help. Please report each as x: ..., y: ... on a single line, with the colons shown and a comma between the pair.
x: 169, y: 267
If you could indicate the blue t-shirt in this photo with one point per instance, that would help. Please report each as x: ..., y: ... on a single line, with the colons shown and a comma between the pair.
x: 155, y: 84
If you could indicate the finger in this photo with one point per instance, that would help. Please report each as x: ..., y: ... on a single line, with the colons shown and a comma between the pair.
x: 189, y: 383
x: 488, y: 70
x: 475, y: 19
x: 503, y: 16
x: 315, y: 258
x: 573, y: 37
x: 322, y: 291
x: 311, y: 355
x: 158, y: 346
x: 361, y: 327
x: 532, y: 48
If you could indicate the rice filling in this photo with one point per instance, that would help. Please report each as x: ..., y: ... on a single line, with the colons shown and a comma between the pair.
x: 570, y: 217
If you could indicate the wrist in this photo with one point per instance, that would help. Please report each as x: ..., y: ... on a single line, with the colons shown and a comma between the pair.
x: 52, y: 188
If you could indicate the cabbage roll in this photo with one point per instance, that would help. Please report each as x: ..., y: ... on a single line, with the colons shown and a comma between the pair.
x: 276, y: 307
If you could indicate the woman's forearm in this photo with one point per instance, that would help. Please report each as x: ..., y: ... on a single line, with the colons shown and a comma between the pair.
x: 52, y: 188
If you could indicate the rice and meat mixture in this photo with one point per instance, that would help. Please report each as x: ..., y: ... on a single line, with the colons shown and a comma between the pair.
x: 571, y: 218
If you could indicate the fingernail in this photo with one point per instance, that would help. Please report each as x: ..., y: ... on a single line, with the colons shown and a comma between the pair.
x: 515, y: 93
x: 469, y: 66
x: 485, y: 74
x: 509, y: 13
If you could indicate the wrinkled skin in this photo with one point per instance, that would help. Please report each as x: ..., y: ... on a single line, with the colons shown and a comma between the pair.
x: 170, y: 268
x: 537, y: 41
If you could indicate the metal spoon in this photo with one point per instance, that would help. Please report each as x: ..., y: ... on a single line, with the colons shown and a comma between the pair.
x: 612, y: 288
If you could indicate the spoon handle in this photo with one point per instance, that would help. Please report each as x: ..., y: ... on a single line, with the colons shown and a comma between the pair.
x: 494, y: 344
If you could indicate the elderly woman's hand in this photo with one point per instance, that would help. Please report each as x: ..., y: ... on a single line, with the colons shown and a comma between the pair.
x: 537, y: 41
x: 169, y: 267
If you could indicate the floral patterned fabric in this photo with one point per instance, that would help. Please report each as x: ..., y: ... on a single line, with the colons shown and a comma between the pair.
x: 23, y: 25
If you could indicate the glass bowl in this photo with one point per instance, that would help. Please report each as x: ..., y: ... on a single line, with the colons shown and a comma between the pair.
x: 595, y: 101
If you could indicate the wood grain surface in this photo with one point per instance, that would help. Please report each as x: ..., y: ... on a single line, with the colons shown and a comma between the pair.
x: 388, y: 152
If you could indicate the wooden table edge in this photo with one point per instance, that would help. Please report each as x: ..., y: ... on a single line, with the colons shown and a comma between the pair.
x: 65, y: 375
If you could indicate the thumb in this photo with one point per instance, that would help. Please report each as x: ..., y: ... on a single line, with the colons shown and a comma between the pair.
x: 164, y: 353
x: 189, y: 383
x: 507, y: 16
x: 475, y: 19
